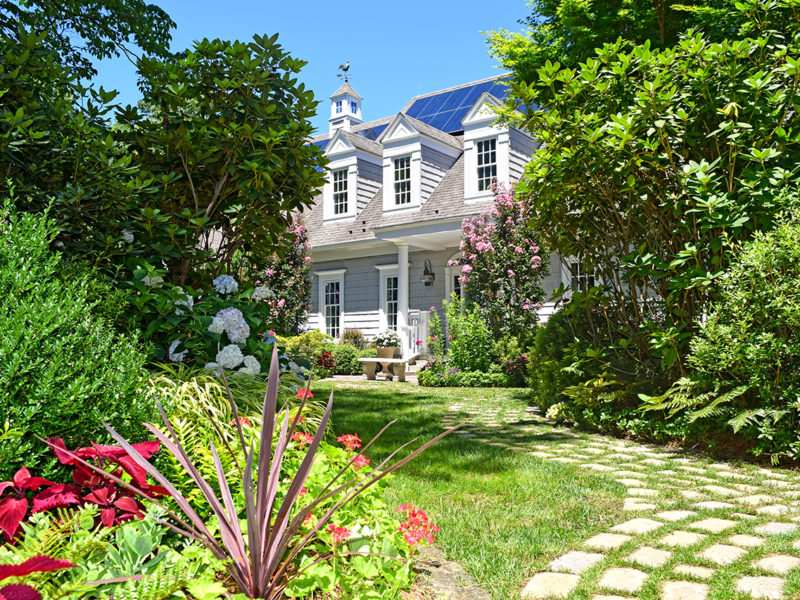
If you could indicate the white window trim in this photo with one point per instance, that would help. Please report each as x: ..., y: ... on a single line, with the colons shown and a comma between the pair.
x: 395, y: 181
x: 449, y: 273
x: 502, y: 156
x: 384, y: 272
x: 327, y: 277
x: 351, y: 164
x: 414, y: 151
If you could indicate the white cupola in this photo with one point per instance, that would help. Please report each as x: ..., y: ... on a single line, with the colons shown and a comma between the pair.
x: 345, y: 109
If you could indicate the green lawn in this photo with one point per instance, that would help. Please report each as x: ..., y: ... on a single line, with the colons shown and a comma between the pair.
x: 503, y: 514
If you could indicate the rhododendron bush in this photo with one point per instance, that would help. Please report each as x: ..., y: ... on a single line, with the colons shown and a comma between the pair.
x: 502, y: 266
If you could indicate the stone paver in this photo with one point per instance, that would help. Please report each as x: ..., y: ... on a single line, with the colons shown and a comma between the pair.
x: 694, y: 571
x: 683, y: 590
x: 778, y: 564
x: 606, y: 541
x: 713, y: 525
x: 623, y: 579
x: 681, y: 539
x: 746, y: 541
x: 650, y: 557
x: 722, y: 554
x: 775, y: 528
x: 576, y: 562
x: 637, y: 526
x: 550, y: 585
x: 675, y: 515
x: 770, y: 588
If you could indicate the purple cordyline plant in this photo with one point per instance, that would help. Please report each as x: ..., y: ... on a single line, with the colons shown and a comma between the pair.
x: 258, y: 561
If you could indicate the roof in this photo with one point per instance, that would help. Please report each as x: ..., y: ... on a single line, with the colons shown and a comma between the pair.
x: 362, y: 143
x: 346, y: 90
x: 430, y: 132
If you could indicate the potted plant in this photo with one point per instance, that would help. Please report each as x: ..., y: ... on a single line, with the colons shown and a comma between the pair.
x: 386, y: 343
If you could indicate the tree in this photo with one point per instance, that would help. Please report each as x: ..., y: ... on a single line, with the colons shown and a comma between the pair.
x: 569, y: 31
x: 502, y: 267
x: 657, y: 165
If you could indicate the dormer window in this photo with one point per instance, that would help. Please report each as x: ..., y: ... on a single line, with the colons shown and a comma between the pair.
x: 353, y: 107
x: 338, y: 106
x: 340, y: 192
x: 402, y: 180
x: 487, y: 163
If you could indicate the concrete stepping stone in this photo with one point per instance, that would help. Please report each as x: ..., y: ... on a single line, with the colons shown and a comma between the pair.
x: 756, y: 499
x: 550, y: 585
x: 778, y: 564
x: 597, y: 467
x: 656, y: 462
x: 713, y: 525
x: 694, y: 571
x: 776, y: 528
x: 607, y: 597
x: 746, y: 541
x: 576, y: 562
x: 606, y: 541
x: 713, y: 505
x: 637, y: 526
x: 650, y: 557
x: 721, y: 491
x: 623, y: 579
x: 681, y: 539
x: 676, y: 515
x: 692, y: 494
x: 644, y: 492
x: 564, y: 459
x: 629, y: 482
x: 722, y: 554
x: 746, y: 488
x: 635, y: 504
x: 770, y: 588
x: 540, y: 454
x: 629, y: 474
x: 745, y: 516
x: 773, y: 509
x: 691, y: 469
x: 683, y: 590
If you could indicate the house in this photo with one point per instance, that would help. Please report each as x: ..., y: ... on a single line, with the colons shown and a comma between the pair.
x: 388, y: 221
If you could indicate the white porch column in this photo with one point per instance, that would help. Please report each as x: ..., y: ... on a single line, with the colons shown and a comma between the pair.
x: 402, y: 295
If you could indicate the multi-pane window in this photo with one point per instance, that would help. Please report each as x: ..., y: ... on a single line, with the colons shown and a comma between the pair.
x: 333, y: 308
x: 340, y: 192
x: 353, y: 107
x: 582, y: 276
x: 402, y: 180
x: 487, y: 163
x: 338, y: 106
x: 457, y: 285
x: 391, y: 302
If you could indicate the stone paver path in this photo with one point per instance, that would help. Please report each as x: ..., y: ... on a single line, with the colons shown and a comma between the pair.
x: 689, y: 528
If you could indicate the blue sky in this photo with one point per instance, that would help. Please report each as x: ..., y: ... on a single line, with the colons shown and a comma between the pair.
x: 396, y: 49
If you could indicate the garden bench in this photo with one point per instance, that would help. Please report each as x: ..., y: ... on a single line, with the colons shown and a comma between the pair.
x: 370, y: 365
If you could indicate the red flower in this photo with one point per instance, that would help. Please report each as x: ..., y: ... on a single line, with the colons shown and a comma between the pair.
x: 360, y: 461
x: 302, y: 439
x: 339, y: 533
x: 304, y: 394
x: 351, y: 441
x: 416, y: 528
x: 242, y: 421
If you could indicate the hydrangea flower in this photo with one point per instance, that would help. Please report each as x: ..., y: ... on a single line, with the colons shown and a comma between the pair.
x: 213, y: 368
x: 233, y: 324
x: 187, y: 302
x: 176, y: 356
x: 262, y: 292
x: 230, y: 357
x: 251, y: 365
x: 152, y: 280
x: 217, y: 325
x: 225, y: 284
x: 127, y: 235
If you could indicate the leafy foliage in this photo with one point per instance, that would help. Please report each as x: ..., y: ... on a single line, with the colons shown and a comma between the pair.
x: 657, y: 165
x: 469, y: 339
x: 63, y: 370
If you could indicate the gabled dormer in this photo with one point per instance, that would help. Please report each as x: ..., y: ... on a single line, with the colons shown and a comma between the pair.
x: 345, y: 109
x: 416, y: 157
x: 354, y: 175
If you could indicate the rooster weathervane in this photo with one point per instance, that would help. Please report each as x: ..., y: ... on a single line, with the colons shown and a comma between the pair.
x: 345, y: 68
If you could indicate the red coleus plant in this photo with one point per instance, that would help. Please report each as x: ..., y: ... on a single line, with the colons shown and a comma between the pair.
x: 117, y: 504
x: 37, y: 564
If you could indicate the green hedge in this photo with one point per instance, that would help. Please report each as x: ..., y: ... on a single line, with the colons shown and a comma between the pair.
x: 63, y: 369
x: 447, y: 378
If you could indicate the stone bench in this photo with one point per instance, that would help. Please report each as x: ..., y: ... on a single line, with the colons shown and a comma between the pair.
x: 371, y: 364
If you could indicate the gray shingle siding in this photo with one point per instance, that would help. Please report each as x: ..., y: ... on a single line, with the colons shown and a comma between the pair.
x: 520, y: 151
x: 369, y: 182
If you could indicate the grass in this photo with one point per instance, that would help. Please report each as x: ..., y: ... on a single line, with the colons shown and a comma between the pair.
x: 503, y: 514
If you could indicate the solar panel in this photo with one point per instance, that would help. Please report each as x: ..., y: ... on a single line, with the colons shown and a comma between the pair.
x: 446, y: 110
x: 372, y: 133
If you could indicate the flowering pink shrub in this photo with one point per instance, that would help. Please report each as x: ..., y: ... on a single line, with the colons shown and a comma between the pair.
x: 502, y: 267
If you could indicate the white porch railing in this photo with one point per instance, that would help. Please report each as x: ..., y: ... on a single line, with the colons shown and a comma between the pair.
x: 417, y: 330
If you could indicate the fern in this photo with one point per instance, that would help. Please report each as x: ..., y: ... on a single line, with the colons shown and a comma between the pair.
x: 713, y: 409
x: 159, y: 585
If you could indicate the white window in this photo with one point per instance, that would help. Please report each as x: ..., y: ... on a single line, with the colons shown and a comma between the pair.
x: 353, y: 107
x: 331, y: 301
x: 340, y: 192
x: 487, y: 163
x: 338, y: 106
x: 391, y: 295
x: 582, y: 277
x: 402, y: 180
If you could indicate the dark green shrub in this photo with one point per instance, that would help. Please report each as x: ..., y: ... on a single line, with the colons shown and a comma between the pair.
x: 345, y: 360
x: 469, y: 340
x: 446, y: 376
x: 62, y: 368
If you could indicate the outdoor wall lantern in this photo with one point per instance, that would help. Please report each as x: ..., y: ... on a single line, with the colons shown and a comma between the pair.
x: 427, y: 274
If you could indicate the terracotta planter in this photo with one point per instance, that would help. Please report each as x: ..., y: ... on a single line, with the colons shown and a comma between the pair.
x: 387, y: 352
